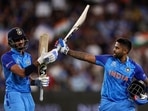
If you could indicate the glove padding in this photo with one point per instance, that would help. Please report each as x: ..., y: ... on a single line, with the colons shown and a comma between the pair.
x: 42, y: 81
x: 62, y: 46
x: 143, y: 99
x: 49, y: 57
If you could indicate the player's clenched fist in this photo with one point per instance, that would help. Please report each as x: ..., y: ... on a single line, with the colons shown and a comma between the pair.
x: 62, y: 46
x: 42, y: 81
x: 48, y: 57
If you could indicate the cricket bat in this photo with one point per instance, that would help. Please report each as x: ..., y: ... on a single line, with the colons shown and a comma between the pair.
x: 43, y: 47
x: 77, y: 24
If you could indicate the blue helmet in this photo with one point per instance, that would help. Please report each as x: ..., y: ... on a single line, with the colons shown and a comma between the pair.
x: 15, y: 34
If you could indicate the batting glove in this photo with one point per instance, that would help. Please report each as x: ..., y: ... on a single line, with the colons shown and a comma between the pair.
x: 63, y: 48
x: 42, y: 81
x: 49, y: 57
x: 143, y: 99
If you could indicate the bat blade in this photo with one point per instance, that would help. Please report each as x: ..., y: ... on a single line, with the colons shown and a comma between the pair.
x: 78, y: 23
x: 43, y: 44
x: 43, y: 48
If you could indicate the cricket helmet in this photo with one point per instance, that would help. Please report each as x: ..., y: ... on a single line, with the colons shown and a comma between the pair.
x: 14, y: 35
x: 137, y: 87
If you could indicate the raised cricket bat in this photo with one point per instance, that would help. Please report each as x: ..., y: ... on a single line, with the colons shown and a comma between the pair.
x: 43, y: 47
x: 77, y: 24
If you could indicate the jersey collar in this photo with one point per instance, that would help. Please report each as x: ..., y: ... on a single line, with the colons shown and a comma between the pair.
x: 127, y: 59
x: 15, y: 51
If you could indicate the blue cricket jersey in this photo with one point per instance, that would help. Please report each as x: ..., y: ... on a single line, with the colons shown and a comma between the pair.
x: 13, y: 81
x: 117, y: 76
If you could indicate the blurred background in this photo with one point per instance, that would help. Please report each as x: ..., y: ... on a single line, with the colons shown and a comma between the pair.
x: 106, y: 21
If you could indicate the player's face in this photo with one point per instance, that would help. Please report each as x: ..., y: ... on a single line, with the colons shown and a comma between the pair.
x: 118, y: 50
x: 20, y: 43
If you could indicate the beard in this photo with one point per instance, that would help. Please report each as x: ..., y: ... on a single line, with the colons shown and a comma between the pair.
x: 119, y: 56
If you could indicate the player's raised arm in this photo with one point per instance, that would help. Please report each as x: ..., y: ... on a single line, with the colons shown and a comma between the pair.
x: 76, y: 54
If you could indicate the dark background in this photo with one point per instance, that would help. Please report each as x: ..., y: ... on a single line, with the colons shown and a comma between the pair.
x: 68, y: 101
x: 75, y: 85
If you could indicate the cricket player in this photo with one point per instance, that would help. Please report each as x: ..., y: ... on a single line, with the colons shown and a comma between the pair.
x: 119, y: 72
x: 17, y: 66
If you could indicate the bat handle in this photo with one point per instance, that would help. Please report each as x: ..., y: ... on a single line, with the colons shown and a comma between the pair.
x: 41, y: 93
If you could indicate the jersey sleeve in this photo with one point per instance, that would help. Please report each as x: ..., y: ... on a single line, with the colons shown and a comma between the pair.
x: 7, y: 61
x: 101, y: 59
x: 139, y: 73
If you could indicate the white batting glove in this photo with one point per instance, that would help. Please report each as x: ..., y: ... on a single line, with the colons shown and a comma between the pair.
x: 48, y: 57
x: 42, y: 81
x: 63, y: 48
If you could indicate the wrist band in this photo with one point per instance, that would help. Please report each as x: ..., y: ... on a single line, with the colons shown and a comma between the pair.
x: 29, y: 69
x: 32, y: 82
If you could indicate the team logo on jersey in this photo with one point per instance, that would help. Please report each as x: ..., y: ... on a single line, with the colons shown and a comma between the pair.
x: 28, y: 62
x: 113, y: 64
x: 127, y: 69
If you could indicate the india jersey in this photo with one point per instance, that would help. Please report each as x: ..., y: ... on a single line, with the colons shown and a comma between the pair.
x: 117, y: 76
x: 13, y: 81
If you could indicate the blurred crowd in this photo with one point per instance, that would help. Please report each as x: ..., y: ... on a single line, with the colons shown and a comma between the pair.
x: 106, y: 21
